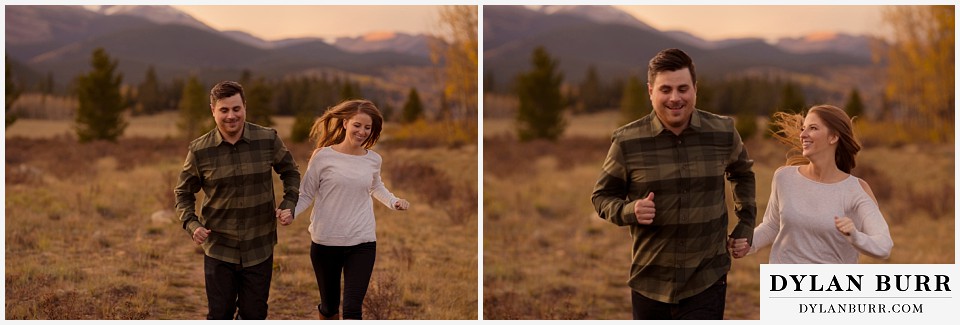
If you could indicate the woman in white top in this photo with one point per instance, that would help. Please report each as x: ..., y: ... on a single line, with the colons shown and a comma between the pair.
x: 341, y: 176
x: 818, y: 213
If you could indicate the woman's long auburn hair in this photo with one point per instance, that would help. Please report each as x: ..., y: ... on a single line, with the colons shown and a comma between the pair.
x: 328, y: 129
x: 837, y: 122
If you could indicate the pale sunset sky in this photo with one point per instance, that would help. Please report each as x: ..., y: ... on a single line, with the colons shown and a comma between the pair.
x: 767, y: 22
x: 326, y: 21
x: 705, y: 21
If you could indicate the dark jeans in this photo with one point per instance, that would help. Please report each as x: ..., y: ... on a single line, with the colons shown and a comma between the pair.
x: 356, y: 265
x: 231, y: 287
x: 708, y: 304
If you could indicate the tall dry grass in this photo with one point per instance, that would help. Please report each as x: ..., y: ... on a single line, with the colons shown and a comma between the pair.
x: 548, y: 256
x: 87, y: 238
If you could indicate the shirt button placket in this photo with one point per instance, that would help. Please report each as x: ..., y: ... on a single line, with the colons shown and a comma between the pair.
x: 238, y: 172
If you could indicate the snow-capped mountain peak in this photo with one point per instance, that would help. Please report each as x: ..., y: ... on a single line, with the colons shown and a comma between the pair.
x: 599, y: 13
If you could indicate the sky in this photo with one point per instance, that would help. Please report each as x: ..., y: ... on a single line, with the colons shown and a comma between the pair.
x: 708, y: 22
x: 767, y: 22
x: 329, y: 22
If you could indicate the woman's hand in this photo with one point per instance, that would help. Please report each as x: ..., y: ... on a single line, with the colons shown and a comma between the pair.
x: 401, y: 204
x: 844, y: 225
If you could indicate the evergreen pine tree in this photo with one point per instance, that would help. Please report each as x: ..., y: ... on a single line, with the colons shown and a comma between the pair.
x: 100, y: 109
x: 12, y: 91
x: 259, y: 97
x: 350, y: 91
x: 387, y: 110
x: 489, y: 83
x: 173, y: 93
x: 301, y: 127
x: 306, y: 100
x: 854, y: 105
x: 635, y: 102
x: 540, y: 115
x: 195, y: 114
x: 413, y: 108
x: 746, y: 123
x: 791, y: 100
x: 148, y: 94
x: 591, y: 92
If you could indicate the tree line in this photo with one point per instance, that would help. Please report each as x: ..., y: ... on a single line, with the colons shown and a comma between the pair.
x: 103, y: 100
x: 100, y: 114
x: 543, y: 98
x: 918, y: 89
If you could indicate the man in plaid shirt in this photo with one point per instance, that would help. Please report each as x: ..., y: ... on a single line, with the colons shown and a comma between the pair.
x: 233, y: 164
x: 664, y: 178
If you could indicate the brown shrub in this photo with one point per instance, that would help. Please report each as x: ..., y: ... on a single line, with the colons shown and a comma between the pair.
x: 503, y: 156
x: 880, y: 184
x: 63, y: 157
x: 432, y: 185
x: 937, y: 202
x: 422, y: 134
x: 506, y: 305
x: 510, y: 305
x: 64, y: 305
x: 383, y: 299
x: 429, y: 183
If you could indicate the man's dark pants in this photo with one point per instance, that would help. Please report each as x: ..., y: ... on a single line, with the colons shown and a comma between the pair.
x: 233, y: 290
x: 708, y: 304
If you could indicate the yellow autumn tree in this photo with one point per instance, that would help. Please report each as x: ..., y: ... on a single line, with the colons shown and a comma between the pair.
x: 456, y: 47
x: 920, y: 70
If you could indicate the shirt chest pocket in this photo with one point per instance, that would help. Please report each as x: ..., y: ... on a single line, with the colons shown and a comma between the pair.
x: 710, y: 164
x: 216, y: 171
x: 705, y: 172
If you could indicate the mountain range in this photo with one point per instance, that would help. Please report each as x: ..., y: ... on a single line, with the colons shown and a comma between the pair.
x: 60, y: 40
x: 619, y: 45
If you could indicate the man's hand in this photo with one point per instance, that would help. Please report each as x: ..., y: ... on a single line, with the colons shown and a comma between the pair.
x: 285, y: 216
x: 401, y: 204
x: 200, y: 235
x: 844, y: 225
x: 645, y: 210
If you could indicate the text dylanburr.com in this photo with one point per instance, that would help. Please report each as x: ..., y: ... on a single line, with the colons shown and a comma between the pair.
x: 858, y: 292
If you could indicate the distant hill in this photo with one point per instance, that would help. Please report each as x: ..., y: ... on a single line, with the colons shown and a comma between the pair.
x: 618, y: 49
x: 60, y: 39
x: 156, y: 14
x: 416, y: 45
x: 858, y: 46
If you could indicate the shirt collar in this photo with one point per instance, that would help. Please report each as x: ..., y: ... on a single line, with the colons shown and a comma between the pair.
x: 218, y: 138
x: 657, y: 126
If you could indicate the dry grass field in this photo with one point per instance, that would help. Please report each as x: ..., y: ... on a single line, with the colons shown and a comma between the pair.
x: 90, y: 232
x: 548, y: 256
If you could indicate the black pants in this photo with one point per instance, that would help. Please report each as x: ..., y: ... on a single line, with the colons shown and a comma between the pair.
x: 708, y: 304
x: 356, y: 265
x: 231, y: 287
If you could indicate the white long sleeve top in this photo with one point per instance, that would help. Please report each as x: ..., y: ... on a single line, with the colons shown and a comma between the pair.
x: 342, y: 185
x: 799, y: 221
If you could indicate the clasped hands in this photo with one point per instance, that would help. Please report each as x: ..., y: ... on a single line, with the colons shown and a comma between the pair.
x: 285, y: 216
x: 738, y: 247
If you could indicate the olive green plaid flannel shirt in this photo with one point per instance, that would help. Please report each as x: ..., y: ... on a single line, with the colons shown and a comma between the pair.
x: 237, y: 179
x: 683, y: 251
